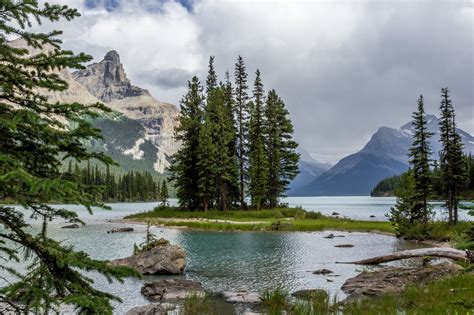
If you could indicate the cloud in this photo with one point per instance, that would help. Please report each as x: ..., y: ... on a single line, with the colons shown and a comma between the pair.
x: 344, y: 68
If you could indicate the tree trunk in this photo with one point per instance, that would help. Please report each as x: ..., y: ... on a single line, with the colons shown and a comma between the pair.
x: 444, y: 252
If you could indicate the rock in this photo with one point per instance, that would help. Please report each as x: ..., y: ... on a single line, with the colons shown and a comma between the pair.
x: 242, y: 297
x: 335, y: 213
x: 151, y: 309
x: 344, y: 245
x: 372, y: 216
x: 330, y: 236
x: 309, y: 294
x: 120, y: 230
x: 171, y: 289
x: 161, y: 259
x: 322, y: 272
x: 71, y: 226
x: 329, y: 280
x: 394, y: 279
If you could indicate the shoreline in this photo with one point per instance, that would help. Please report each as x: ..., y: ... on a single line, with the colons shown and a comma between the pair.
x: 183, y: 227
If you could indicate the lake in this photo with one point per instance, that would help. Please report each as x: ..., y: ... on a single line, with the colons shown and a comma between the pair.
x: 240, y: 260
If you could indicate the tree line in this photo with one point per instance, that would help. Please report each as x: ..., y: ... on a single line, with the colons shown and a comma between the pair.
x: 234, y: 145
x: 107, y: 186
x: 388, y: 186
x: 450, y: 172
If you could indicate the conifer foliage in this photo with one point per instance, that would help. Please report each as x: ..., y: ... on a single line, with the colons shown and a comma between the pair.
x: 240, y: 147
x: 34, y: 140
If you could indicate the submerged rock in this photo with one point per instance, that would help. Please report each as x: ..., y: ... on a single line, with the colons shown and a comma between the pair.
x: 171, y: 289
x: 333, y: 236
x: 151, y: 309
x: 242, y: 296
x: 344, y: 245
x: 322, y: 272
x: 120, y: 230
x: 71, y: 226
x: 160, y: 259
x: 394, y: 279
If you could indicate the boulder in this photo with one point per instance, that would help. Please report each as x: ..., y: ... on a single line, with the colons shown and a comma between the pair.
x: 242, y: 296
x: 395, y: 279
x: 309, y: 294
x: 151, y: 309
x: 335, y: 213
x: 322, y: 272
x: 159, y: 259
x: 71, y: 226
x: 171, y: 289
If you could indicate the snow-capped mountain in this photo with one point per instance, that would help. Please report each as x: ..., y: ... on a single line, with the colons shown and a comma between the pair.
x: 386, y: 154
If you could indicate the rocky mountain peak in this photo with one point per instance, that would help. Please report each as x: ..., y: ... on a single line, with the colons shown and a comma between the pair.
x: 107, y: 79
x: 112, y: 56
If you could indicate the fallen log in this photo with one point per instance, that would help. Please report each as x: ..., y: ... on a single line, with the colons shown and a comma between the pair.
x: 443, y: 252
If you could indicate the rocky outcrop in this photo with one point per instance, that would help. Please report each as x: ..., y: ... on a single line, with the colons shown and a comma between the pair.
x: 395, y: 279
x: 151, y: 309
x: 108, y: 81
x: 242, y: 296
x: 161, y: 259
x: 171, y: 289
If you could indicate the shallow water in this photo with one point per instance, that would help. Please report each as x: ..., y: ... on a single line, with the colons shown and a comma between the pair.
x: 239, y: 260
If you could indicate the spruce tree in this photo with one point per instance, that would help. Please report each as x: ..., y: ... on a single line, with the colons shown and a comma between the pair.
x: 452, y: 164
x: 184, y: 169
x: 420, y: 153
x: 258, y: 166
x: 280, y: 147
x: 36, y: 136
x: 242, y: 117
x: 164, y: 195
x: 207, y: 155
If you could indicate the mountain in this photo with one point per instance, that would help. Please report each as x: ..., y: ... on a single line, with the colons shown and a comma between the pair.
x: 108, y: 81
x: 139, y: 132
x: 386, y: 154
x: 310, y: 169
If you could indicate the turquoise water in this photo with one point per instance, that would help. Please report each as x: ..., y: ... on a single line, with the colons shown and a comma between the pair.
x: 239, y: 260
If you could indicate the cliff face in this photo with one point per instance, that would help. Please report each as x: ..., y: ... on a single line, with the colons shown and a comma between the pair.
x: 149, y: 144
x: 108, y: 81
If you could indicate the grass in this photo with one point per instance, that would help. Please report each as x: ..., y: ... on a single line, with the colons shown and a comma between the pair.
x: 454, y: 295
x: 196, y: 304
x: 283, y: 219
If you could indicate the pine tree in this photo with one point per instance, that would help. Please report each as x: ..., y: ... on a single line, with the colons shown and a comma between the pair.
x: 258, y: 166
x: 420, y: 153
x: 281, y: 149
x: 184, y: 169
x: 242, y: 115
x: 164, y: 195
x: 452, y: 164
x: 207, y: 155
x: 34, y: 141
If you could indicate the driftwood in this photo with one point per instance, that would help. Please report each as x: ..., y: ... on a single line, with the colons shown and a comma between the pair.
x: 443, y: 252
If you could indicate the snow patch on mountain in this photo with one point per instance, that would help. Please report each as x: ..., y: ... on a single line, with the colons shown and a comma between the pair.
x: 135, y: 151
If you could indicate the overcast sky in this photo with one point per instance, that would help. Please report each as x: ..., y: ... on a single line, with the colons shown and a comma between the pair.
x: 344, y: 68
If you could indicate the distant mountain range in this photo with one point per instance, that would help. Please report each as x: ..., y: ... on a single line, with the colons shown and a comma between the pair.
x: 139, y: 132
x: 386, y: 154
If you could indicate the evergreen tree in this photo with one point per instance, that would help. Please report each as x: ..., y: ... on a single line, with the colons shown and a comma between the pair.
x: 233, y: 176
x: 258, y: 167
x: 452, y: 164
x: 34, y: 141
x: 242, y: 115
x: 184, y: 169
x: 207, y: 155
x: 420, y: 161
x: 164, y: 195
x: 281, y: 149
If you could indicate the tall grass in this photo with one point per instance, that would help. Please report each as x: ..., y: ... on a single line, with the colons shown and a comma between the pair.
x: 275, y: 301
x: 197, y: 304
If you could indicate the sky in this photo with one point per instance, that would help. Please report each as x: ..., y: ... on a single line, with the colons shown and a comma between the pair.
x: 344, y: 68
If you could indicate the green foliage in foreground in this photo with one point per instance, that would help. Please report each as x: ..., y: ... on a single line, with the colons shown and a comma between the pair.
x: 446, y: 296
x: 34, y: 142
x: 283, y: 219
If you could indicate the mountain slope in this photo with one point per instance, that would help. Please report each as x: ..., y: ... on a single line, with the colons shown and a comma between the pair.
x: 108, y: 81
x: 386, y: 154
x: 310, y: 169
